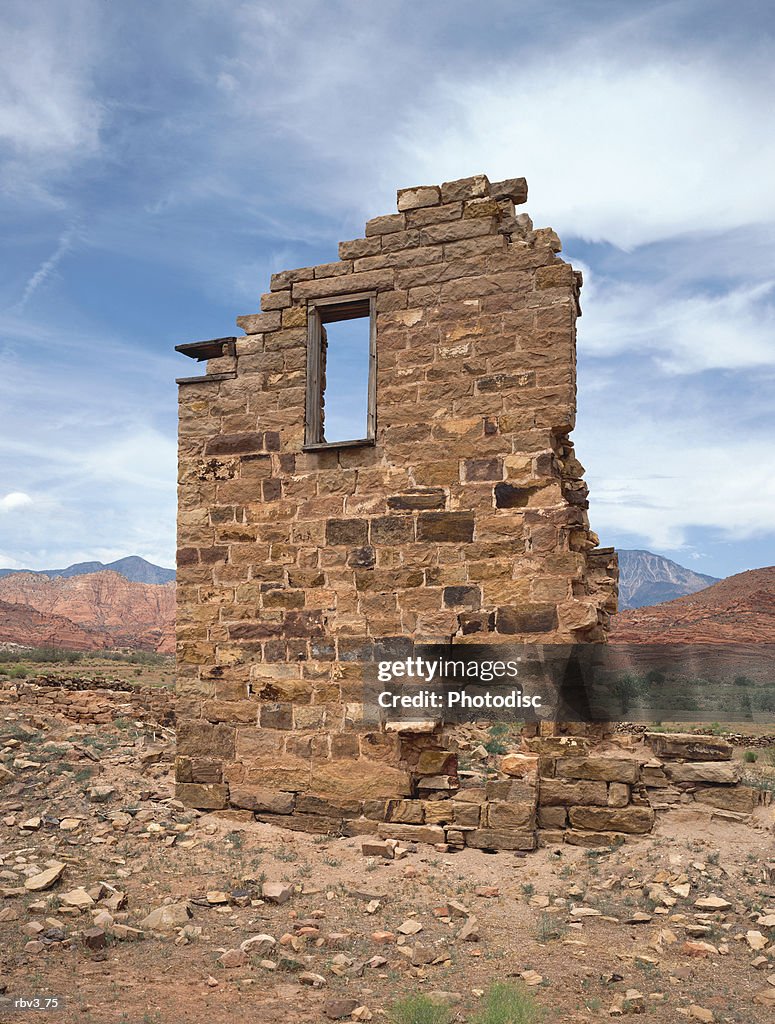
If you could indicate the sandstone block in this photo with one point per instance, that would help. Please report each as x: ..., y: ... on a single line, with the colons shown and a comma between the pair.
x: 689, y: 747
x: 474, y: 187
x: 445, y: 527
x: 468, y: 815
x: 361, y: 779
x: 518, y: 765
x: 205, y: 796
x: 527, y: 618
x: 556, y: 792
x: 514, y: 189
x: 511, y: 815
x: 606, y: 769
x: 612, y: 819
x: 618, y: 794
x: 411, y: 833
x: 405, y: 812
x: 501, y: 839
x: 552, y: 817
x: 593, y: 840
x: 719, y: 772
x: 436, y: 762
x: 416, y: 198
x: 728, y: 798
x: 258, y: 798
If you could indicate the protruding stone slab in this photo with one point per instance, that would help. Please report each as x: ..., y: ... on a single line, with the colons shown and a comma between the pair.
x: 689, y: 747
x: 631, y: 819
x: 717, y: 772
x: 728, y: 798
x: 605, y: 769
x: 501, y: 839
x: 555, y: 792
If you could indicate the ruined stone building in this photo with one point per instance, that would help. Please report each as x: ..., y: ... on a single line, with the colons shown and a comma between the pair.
x: 458, y: 515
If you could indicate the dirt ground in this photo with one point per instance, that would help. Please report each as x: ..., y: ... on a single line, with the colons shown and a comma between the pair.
x: 590, y: 934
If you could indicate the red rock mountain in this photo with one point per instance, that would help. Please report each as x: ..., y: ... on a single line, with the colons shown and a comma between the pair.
x: 20, y: 624
x: 89, y: 612
x: 737, y: 610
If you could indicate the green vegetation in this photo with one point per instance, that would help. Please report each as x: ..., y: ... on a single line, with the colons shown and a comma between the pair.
x: 419, y: 1009
x: 549, y: 927
x: 507, y: 1004
x: 750, y: 757
x: 503, y: 1003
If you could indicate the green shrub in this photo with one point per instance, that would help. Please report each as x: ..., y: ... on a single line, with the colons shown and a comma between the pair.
x: 18, y: 672
x: 419, y: 1010
x: 750, y: 756
x: 507, y: 1004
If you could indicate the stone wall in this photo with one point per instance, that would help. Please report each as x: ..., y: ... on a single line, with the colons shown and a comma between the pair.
x: 92, y: 701
x: 464, y: 522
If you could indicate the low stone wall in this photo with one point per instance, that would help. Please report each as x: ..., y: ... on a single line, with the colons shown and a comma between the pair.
x: 554, y: 789
x: 89, y: 702
x: 688, y: 768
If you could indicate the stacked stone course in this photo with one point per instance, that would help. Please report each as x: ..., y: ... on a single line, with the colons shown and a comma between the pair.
x: 464, y: 522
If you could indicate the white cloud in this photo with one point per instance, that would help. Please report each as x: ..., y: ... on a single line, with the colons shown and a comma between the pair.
x: 659, y: 477
x: 47, y: 267
x: 625, y: 149
x: 14, y: 500
x: 685, y: 331
x: 50, y: 117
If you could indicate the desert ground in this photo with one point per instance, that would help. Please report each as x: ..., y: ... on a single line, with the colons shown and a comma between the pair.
x: 122, y: 905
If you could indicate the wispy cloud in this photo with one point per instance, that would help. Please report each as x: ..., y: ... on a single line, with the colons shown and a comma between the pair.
x: 686, y: 331
x: 50, y: 115
x: 46, y: 268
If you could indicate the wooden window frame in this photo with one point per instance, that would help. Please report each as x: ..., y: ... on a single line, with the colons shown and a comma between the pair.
x: 326, y: 311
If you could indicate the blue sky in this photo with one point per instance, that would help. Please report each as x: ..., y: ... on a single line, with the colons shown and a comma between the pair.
x: 160, y: 160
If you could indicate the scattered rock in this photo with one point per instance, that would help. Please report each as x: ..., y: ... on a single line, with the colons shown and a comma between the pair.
x: 258, y: 945
x: 712, y: 903
x: 698, y: 949
x: 78, y: 898
x: 409, y: 927
x: 233, y: 958
x: 378, y: 848
x: 94, y: 938
x: 531, y: 977
x: 47, y: 878
x: 338, y: 1008
x: 124, y: 933
x: 276, y: 892
x: 167, y: 918
x: 100, y: 794
x: 701, y: 1013
x: 755, y: 939
x: 470, y: 930
x: 312, y: 979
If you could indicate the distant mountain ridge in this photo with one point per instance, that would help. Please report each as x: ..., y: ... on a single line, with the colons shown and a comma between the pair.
x: 737, y: 610
x: 647, y: 579
x: 132, y: 568
x: 87, y: 611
